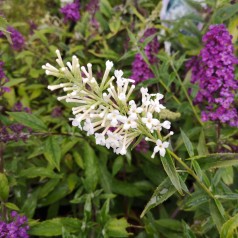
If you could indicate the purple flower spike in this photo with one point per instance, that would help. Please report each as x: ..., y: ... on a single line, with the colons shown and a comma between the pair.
x: 71, y: 12
x: 16, y: 227
x: 18, y: 40
x: 213, y: 70
x: 140, y: 70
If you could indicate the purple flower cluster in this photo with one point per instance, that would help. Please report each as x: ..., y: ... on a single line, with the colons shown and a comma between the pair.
x: 140, y: 70
x: 71, y: 12
x: 18, y: 41
x: 16, y: 228
x: 15, y: 131
x: 213, y: 70
x: 3, y: 80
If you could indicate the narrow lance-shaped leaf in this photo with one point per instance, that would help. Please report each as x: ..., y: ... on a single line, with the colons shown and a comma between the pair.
x: 188, y: 143
x: 53, y: 151
x: 217, y: 213
x: 218, y: 160
x: 161, y: 194
x: 170, y: 169
x: 29, y: 120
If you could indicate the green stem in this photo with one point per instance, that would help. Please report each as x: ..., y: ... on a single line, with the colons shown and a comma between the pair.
x: 190, y: 171
x: 3, y: 208
x: 186, y: 93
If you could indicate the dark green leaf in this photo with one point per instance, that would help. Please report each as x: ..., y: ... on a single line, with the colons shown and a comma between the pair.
x: 217, y: 213
x: 161, y: 194
x: 218, y: 160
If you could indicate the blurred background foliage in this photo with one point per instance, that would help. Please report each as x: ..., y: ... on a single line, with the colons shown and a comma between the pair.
x: 70, y: 187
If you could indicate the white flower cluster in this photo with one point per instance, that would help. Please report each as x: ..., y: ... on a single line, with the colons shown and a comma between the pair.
x: 105, y: 110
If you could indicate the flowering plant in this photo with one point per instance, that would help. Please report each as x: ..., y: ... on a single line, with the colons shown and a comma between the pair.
x: 86, y: 180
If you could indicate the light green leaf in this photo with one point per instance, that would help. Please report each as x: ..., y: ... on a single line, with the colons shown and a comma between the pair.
x: 54, y: 227
x: 228, y: 228
x: 170, y: 169
x: 11, y: 206
x: 117, y: 227
x: 105, y: 8
x: 188, y: 143
x: 29, y: 120
x: 53, y: 151
x: 4, y: 187
x: 14, y: 82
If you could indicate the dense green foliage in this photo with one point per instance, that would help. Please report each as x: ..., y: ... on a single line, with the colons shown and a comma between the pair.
x: 70, y: 187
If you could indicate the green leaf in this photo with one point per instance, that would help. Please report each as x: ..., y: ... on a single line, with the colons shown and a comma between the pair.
x: 187, y: 143
x: 117, y: 227
x: 48, y: 187
x: 132, y: 37
x: 4, y: 187
x: 30, y: 204
x: 187, y: 232
x: 34, y: 172
x: 14, y: 82
x: 202, y: 147
x: 105, y: 8
x: 169, y: 224
x: 117, y: 165
x: 29, y: 120
x: 53, y: 151
x: 54, y: 227
x: 91, y: 168
x: 228, y: 175
x: 217, y: 213
x: 161, y: 194
x: 225, y: 13
x: 228, y: 228
x: 218, y: 160
x: 202, y: 176
x: 11, y: 206
x: 170, y: 169
x: 125, y: 188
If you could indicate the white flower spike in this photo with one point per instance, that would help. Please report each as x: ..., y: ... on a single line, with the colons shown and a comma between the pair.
x: 104, y: 109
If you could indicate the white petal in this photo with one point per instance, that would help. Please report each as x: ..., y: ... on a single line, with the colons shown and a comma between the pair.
x: 162, y: 152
